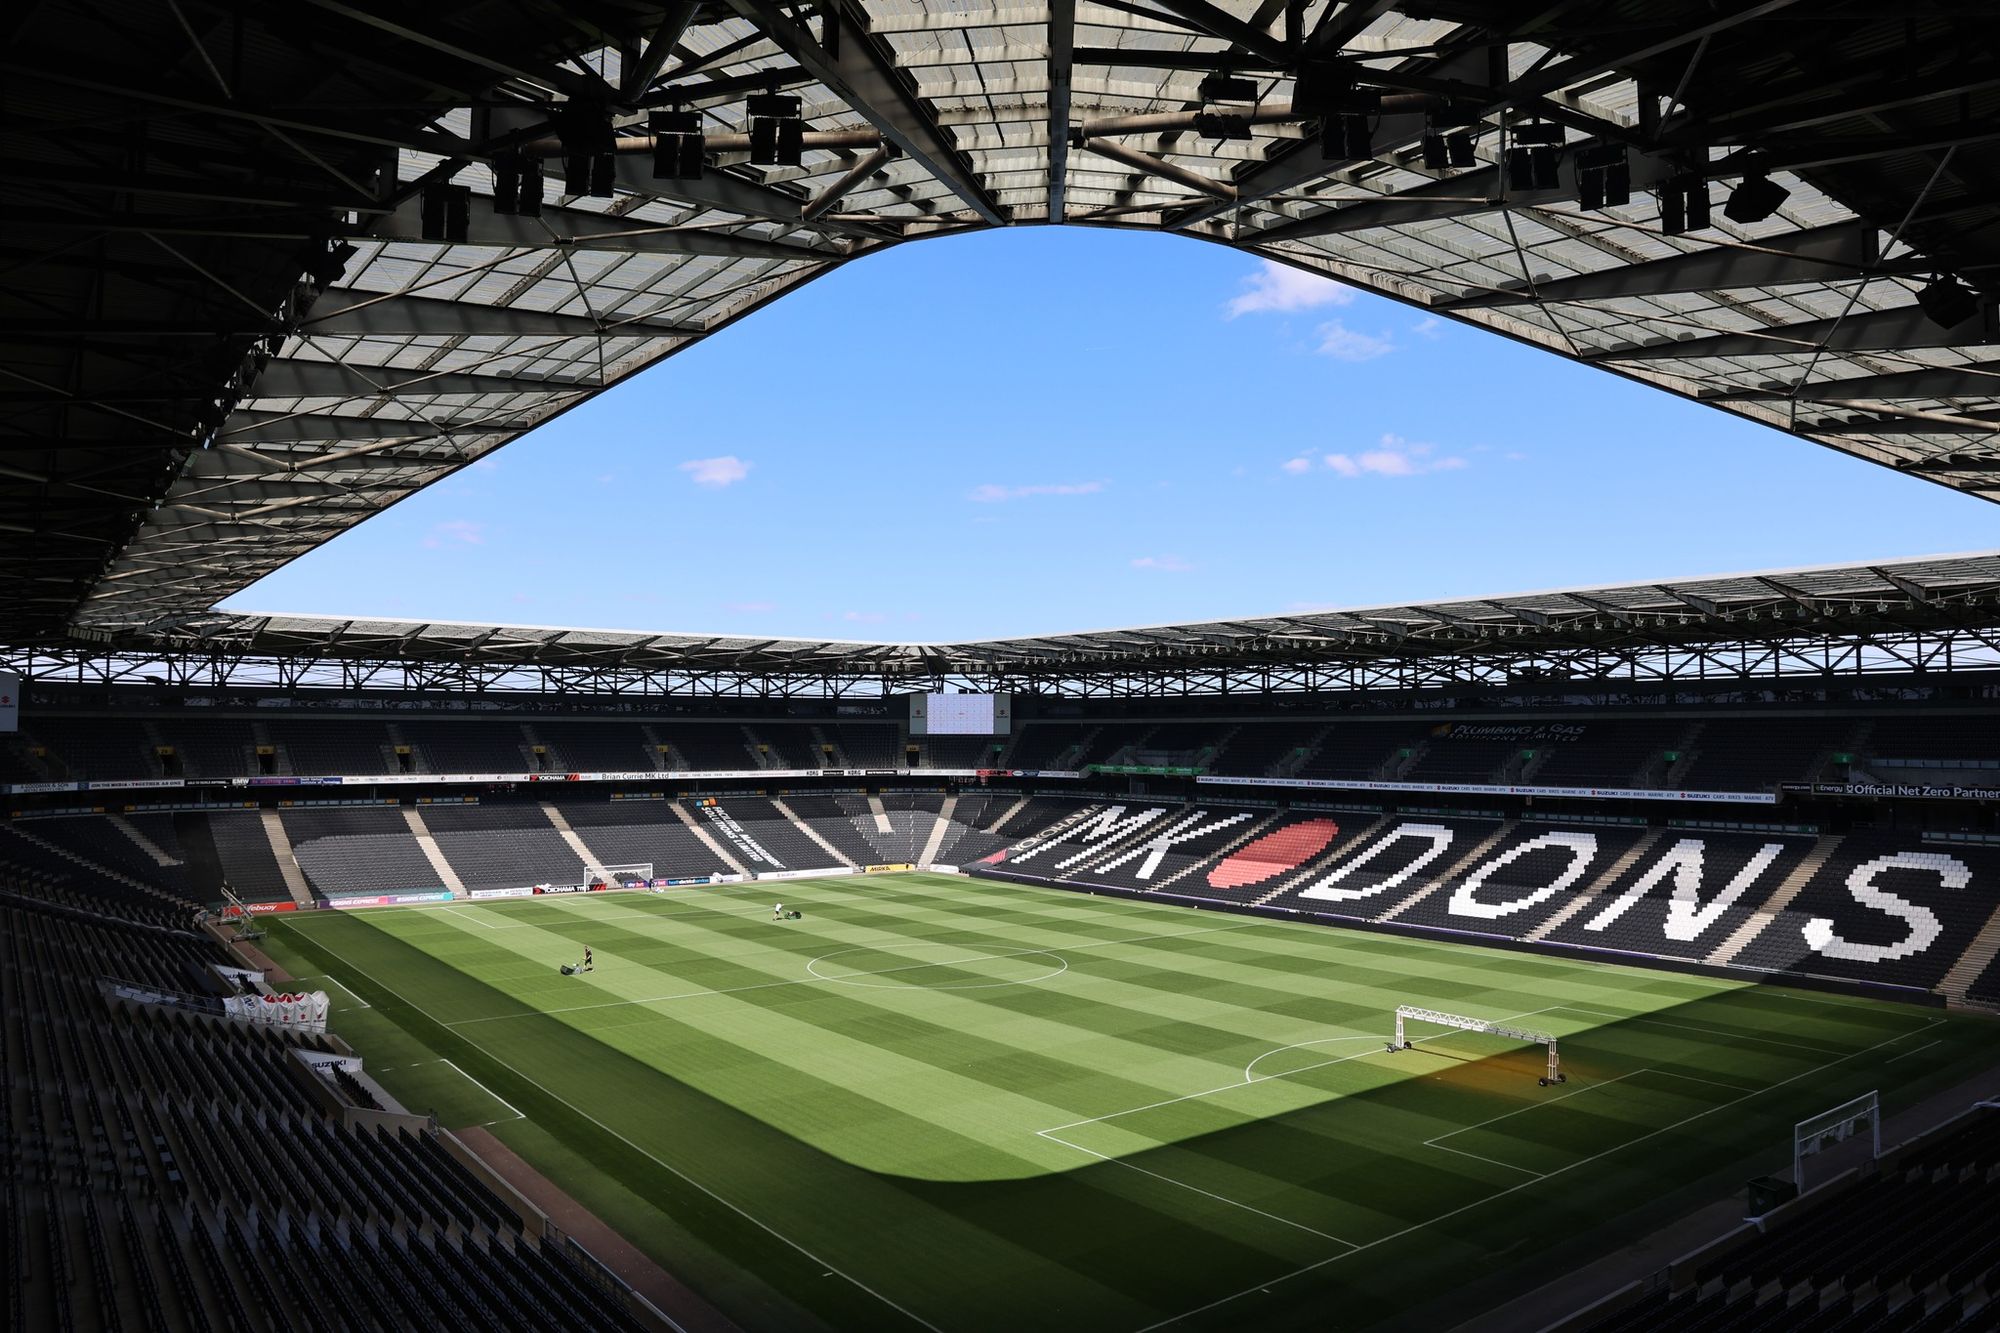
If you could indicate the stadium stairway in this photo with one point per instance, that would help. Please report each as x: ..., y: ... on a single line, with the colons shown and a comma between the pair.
x: 1634, y: 854
x: 142, y: 842
x: 1451, y: 872
x: 882, y: 824
x: 592, y: 862
x: 708, y: 840
x: 432, y: 852
x: 53, y: 849
x: 1972, y: 964
x: 288, y: 863
x: 1794, y: 884
x: 946, y: 813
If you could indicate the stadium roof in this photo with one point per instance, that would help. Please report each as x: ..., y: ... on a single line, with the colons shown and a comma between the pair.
x: 1934, y: 594
x: 240, y: 314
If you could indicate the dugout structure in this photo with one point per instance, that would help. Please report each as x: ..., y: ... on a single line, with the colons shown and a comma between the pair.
x: 1410, y: 1013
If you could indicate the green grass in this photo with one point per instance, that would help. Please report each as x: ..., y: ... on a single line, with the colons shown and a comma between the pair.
x: 970, y: 1105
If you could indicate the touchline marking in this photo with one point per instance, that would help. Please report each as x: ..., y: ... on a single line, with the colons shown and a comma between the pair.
x: 816, y: 979
x: 473, y: 919
x: 1050, y: 1135
x: 553, y: 1095
x: 1710, y: 1032
x: 1268, y: 1283
x: 359, y: 1003
x: 488, y: 1091
x: 1912, y: 1051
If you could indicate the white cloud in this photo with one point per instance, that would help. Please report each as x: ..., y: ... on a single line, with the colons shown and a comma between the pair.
x: 1344, y: 344
x: 1280, y: 287
x: 1296, y: 467
x: 1430, y: 326
x: 1394, y: 456
x: 990, y: 493
x: 455, y: 531
x: 716, y: 472
x: 1165, y: 564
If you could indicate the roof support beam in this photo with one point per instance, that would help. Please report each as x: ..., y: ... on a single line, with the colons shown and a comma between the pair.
x: 576, y: 229
x: 862, y: 75
x: 1981, y: 379
x: 294, y: 378
x: 250, y: 426
x: 1822, y: 254
x: 1160, y: 167
x: 1865, y: 331
x: 1062, y: 59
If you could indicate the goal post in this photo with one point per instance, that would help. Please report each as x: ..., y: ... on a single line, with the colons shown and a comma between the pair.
x: 1438, y: 1018
x: 628, y: 875
x: 1819, y: 1133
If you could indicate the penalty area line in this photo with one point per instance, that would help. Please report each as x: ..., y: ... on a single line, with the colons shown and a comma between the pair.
x: 1266, y: 1285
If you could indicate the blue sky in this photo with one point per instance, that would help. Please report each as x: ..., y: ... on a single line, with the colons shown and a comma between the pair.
x: 1050, y: 429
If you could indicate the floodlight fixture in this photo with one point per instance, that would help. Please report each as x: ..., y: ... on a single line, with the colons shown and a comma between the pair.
x: 777, y: 131
x: 1228, y: 88
x: 1755, y: 198
x: 445, y: 212
x: 678, y: 144
x: 1219, y: 126
x: 1531, y: 155
x: 1603, y: 177
x: 1947, y: 302
x: 1683, y: 205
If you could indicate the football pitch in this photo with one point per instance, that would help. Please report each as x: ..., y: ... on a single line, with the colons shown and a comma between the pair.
x: 949, y: 1103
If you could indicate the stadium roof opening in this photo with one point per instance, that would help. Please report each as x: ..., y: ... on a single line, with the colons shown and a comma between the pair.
x: 334, y: 252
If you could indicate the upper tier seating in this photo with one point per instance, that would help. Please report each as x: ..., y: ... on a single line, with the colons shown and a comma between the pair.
x: 1885, y: 908
x: 1042, y: 744
x: 468, y: 746
x: 213, y: 747
x: 98, y: 839
x: 1606, y: 753
x: 718, y: 746
x: 783, y: 746
x: 596, y: 747
x: 1256, y: 749
x: 325, y: 747
x: 960, y: 751
x: 867, y: 744
x: 1357, y: 751
x: 1754, y: 754
x: 98, y: 749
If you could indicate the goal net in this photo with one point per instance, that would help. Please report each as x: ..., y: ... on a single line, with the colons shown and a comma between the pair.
x: 1410, y: 1013
x: 1821, y: 1133
x: 631, y: 875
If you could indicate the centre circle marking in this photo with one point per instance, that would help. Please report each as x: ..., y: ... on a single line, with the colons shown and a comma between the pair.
x: 955, y: 955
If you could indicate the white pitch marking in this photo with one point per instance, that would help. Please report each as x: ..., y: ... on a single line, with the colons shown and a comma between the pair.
x: 488, y: 1091
x: 1209, y: 1194
x: 473, y: 919
x: 667, y: 1166
x: 1526, y: 1184
x: 1912, y: 1051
